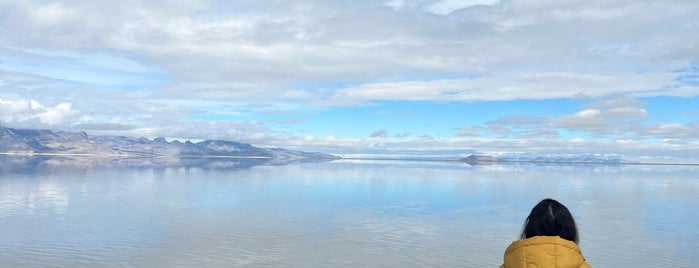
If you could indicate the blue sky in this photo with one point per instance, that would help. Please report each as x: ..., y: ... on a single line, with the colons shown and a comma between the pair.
x: 447, y: 76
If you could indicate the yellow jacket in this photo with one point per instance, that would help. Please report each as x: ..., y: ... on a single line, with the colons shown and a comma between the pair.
x: 544, y: 251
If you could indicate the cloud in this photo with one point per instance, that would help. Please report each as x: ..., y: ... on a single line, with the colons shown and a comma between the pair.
x: 468, y: 131
x: 247, y: 51
x: 51, y: 13
x: 543, y: 133
x: 29, y: 112
x: 511, y: 86
x: 12, y: 79
x: 497, y: 130
x: 522, y: 127
x: 426, y: 137
x: 249, y: 42
x: 379, y: 134
x: 519, y: 121
x: 447, y: 6
x: 577, y: 140
x: 106, y: 70
x: 143, y: 121
x: 612, y: 116
x: 294, y: 120
x: 621, y: 117
x: 402, y: 135
x: 614, y: 102
x: 97, y: 127
x: 672, y: 131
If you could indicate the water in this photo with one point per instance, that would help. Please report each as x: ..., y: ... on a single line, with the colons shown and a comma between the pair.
x: 334, y: 214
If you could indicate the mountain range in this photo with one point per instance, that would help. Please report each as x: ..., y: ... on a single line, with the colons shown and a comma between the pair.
x: 33, y: 142
x: 47, y: 142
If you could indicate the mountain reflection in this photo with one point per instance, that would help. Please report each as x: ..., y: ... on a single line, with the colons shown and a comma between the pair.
x: 11, y: 164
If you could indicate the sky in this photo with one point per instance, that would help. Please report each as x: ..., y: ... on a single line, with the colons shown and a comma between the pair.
x: 426, y: 77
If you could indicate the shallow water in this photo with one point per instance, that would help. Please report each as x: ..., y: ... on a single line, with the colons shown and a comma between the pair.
x: 336, y: 214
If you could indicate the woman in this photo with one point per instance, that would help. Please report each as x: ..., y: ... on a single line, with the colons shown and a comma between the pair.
x: 549, y: 239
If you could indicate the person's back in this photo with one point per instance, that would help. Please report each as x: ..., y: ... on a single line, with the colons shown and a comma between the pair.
x: 543, y: 251
x: 549, y: 239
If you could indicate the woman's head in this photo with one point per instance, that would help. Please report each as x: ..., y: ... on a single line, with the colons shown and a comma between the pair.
x: 551, y: 218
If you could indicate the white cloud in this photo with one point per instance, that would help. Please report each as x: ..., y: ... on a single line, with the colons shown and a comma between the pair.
x: 499, y: 130
x: 468, y: 131
x: 447, y: 6
x: 609, y: 119
x: 297, y: 40
x: 27, y: 112
x: 616, y: 116
x: 379, y: 134
x: 615, y: 101
x: 401, y: 135
x: 577, y: 140
x: 57, y: 114
x: 51, y: 13
x: 249, y: 45
x: 520, y: 121
x: 587, y: 114
x: 104, y: 70
x: 542, y: 133
x: 672, y: 131
x: 510, y: 86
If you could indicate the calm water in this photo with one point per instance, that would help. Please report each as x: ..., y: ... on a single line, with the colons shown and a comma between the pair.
x: 334, y: 214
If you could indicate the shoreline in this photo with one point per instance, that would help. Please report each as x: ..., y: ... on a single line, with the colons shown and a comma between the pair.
x: 482, y: 162
x: 522, y: 161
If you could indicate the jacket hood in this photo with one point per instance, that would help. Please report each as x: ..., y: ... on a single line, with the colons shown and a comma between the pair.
x: 544, y: 251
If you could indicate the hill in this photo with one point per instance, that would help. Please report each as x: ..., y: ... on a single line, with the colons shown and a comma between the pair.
x: 47, y: 142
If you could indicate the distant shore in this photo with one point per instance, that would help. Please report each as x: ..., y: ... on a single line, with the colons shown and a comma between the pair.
x: 520, y: 161
x: 355, y: 158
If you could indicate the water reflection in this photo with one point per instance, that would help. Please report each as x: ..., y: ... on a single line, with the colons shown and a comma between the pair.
x: 37, y: 164
x: 334, y: 214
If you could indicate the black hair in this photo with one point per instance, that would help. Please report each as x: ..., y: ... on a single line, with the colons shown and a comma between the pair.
x: 551, y: 218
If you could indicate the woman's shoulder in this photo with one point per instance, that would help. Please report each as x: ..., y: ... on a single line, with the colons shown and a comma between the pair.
x: 543, y: 240
x: 544, y: 249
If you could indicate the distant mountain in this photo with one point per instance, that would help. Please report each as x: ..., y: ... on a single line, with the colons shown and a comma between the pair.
x: 551, y: 158
x: 29, y: 141
x: 479, y: 159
